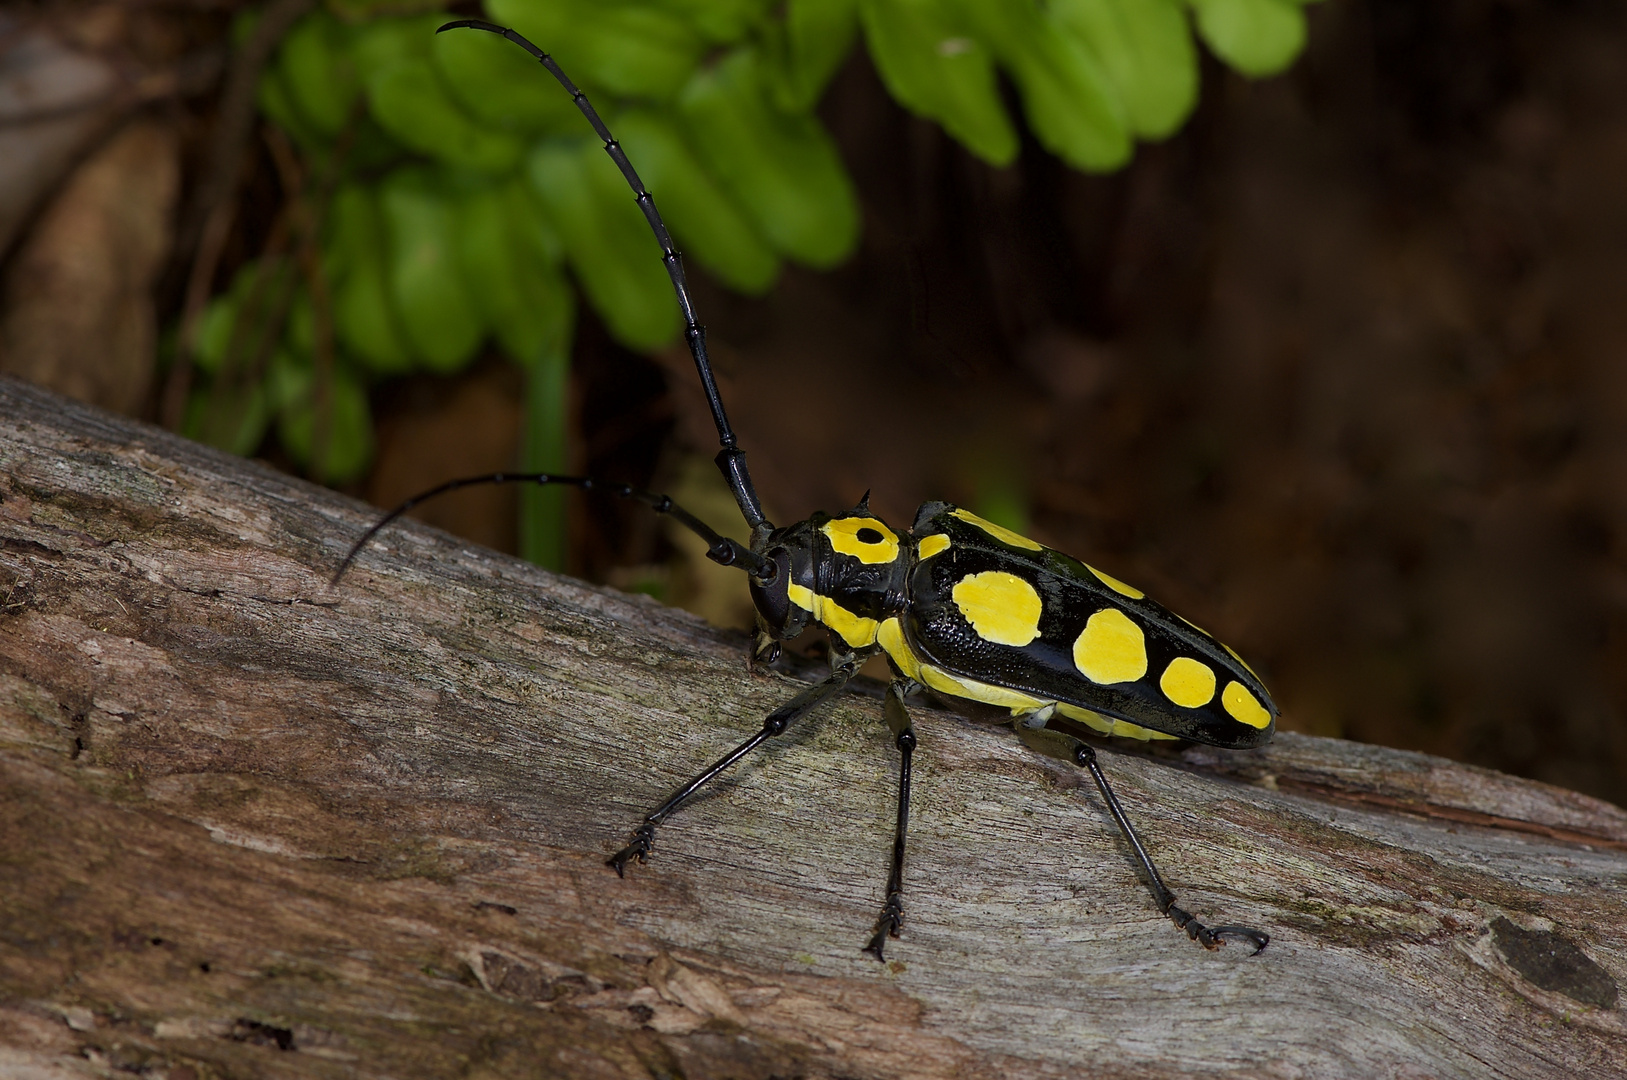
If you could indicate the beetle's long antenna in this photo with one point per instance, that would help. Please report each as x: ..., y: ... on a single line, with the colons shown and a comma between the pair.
x: 720, y: 549
x: 731, y: 459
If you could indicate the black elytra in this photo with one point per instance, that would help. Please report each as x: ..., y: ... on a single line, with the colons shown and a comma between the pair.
x: 970, y: 612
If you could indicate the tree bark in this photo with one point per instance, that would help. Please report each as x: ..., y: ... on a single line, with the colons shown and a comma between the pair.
x: 254, y: 825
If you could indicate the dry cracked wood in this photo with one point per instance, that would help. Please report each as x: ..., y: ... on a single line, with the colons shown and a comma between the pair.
x: 251, y: 825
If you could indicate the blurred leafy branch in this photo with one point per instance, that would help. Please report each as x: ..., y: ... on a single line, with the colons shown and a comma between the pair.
x: 438, y: 184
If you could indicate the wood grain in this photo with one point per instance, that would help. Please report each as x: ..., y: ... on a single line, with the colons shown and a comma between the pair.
x: 251, y: 825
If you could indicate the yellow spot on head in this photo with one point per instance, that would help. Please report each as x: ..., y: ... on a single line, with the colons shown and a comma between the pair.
x: 1118, y: 586
x: 932, y: 545
x: 856, y: 630
x: 1111, y: 648
x: 1002, y: 607
x: 1188, y: 682
x: 867, y: 539
x: 999, y: 532
x: 1244, y: 707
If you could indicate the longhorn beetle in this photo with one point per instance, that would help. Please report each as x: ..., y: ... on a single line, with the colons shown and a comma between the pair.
x: 980, y: 616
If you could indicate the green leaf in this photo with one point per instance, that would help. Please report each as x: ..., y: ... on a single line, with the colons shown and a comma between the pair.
x: 616, y: 259
x: 232, y: 418
x: 364, y: 315
x: 809, y: 46
x: 319, y: 72
x: 383, y: 43
x: 783, y: 170
x: 932, y: 64
x: 274, y: 100
x: 721, y: 22
x: 1255, y: 37
x: 326, y: 426
x: 411, y: 103
x: 502, y: 86
x: 632, y: 50
x: 705, y: 221
x: 524, y: 298
x: 1145, y: 47
x: 225, y: 340
x: 442, y: 320
x: 215, y: 332
x: 544, y: 534
x: 1071, y: 106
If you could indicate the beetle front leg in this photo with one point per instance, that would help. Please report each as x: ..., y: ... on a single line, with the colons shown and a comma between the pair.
x: 891, y: 920
x: 843, y: 669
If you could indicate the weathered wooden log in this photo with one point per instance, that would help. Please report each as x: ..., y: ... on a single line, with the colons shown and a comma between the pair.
x: 254, y: 825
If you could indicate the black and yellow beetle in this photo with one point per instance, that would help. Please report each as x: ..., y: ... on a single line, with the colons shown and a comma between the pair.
x: 977, y: 615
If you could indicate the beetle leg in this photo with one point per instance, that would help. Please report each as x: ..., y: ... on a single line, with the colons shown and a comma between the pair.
x: 891, y: 920
x: 843, y: 668
x: 1085, y: 757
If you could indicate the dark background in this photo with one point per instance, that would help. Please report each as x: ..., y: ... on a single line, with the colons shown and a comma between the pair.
x: 1339, y: 372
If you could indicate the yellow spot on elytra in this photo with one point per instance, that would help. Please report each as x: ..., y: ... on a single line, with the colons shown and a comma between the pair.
x: 932, y: 545
x: 1188, y: 682
x: 1107, y: 725
x: 891, y: 638
x: 864, y: 538
x: 1118, y: 586
x: 1111, y: 648
x: 856, y: 630
x: 972, y: 690
x: 1002, y: 607
x: 1244, y: 707
x: 999, y: 532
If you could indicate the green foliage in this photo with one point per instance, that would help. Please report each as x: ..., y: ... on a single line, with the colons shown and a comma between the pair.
x: 1257, y: 37
x: 449, y: 182
x: 782, y: 169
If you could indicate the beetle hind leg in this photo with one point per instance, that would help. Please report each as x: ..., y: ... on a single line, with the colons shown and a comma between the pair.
x: 1059, y: 743
x: 1085, y: 757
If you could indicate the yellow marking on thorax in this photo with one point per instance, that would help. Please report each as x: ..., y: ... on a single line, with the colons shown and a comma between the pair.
x: 1188, y: 682
x: 856, y: 630
x: 1111, y: 648
x: 1118, y: 586
x: 932, y: 545
x: 999, y: 532
x: 1002, y: 607
x: 1244, y: 707
x: 891, y: 638
x: 843, y: 534
x: 1107, y: 725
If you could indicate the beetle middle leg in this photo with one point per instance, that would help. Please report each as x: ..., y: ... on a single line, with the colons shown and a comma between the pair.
x: 843, y: 667
x: 891, y: 920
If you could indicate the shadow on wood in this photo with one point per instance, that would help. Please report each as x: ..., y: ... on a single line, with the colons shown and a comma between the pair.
x: 252, y: 825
